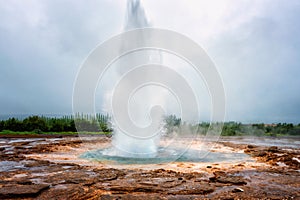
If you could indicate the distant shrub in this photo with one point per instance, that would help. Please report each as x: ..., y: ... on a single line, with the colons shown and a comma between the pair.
x: 37, y: 131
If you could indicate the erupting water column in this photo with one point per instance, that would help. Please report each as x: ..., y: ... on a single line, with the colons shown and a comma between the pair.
x: 126, y: 145
x: 135, y: 16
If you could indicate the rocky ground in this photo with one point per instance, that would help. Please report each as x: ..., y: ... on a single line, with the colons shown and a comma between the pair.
x: 25, y: 173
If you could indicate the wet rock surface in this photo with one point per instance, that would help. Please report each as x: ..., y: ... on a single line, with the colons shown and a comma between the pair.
x: 222, y: 177
x: 275, y: 156
x: 19, y: 190
x: 23, y: 177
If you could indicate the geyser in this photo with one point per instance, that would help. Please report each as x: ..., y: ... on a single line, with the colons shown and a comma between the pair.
x: 142, y: 143
x: 139, y: 88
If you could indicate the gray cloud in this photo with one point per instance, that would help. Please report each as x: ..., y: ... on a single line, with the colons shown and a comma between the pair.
x: 42, y: 47
x: 255, y: 44
x: 259, y: 62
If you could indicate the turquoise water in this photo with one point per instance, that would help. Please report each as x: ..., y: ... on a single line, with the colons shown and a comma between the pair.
x: 165, y: 157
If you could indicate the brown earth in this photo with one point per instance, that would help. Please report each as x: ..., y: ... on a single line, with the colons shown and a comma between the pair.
x: 274, y: 175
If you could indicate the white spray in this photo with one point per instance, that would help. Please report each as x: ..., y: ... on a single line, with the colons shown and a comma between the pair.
x: 132, y: 145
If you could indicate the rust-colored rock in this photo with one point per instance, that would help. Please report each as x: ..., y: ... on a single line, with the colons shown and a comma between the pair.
x: 276, y: 176
x: 225, y: 178
x: 22, y: 190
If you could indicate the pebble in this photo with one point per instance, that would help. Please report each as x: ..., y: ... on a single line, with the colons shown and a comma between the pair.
x: 237, y: 190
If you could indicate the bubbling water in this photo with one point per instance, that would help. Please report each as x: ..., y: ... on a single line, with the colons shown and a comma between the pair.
x: 126, y: 146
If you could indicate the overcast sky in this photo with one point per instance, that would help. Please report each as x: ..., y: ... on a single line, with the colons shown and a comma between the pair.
x: 254, y: 43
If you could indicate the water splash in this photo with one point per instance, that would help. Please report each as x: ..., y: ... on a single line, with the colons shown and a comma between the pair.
x: 126, y: 145
x: 136, y: 16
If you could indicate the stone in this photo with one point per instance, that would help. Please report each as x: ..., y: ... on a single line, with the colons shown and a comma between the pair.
x: 273, y: 149
x: 222, y: 177
x: 235, y: 190
x: 16, y: 190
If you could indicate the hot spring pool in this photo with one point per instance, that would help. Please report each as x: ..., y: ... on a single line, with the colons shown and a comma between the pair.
x: 163, y: 156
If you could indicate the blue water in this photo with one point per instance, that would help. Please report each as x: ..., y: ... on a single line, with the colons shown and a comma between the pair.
x: 165, y: 157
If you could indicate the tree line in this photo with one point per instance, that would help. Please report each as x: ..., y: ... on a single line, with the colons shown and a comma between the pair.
x: 101, y: 123
x: 39, y: 124
x: 172, y: 123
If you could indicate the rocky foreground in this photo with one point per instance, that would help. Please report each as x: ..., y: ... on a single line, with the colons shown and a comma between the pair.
x: 274, y: 174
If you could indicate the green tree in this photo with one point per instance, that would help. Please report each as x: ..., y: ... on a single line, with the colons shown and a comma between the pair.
x: 35, y: 123
x: 172, y: 123
x: 13, y: 124
x: 231, y: 129
x: 2, y: 123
